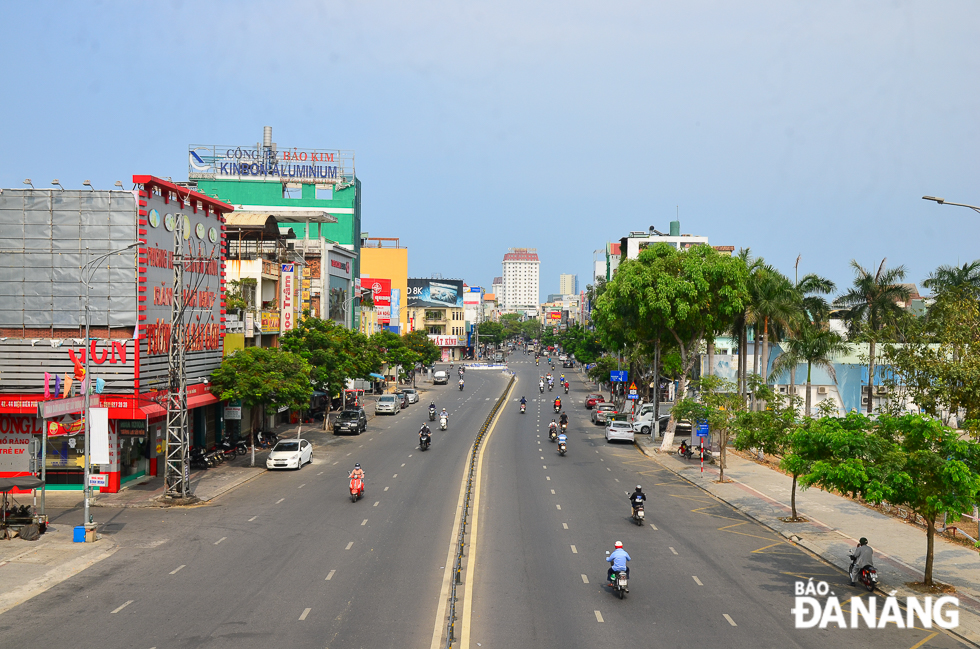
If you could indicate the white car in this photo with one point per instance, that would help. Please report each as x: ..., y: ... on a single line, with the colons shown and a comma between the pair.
x: 290, y: 454
x: 619, y: 430
x: 387, y: 403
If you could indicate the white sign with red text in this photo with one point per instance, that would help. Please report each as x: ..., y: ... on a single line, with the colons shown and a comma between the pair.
x: 445, y: 341
x: 286, y: 299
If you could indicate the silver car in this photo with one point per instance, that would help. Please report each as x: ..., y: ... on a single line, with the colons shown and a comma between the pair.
x: 388, y: 404
x: 413, y: 395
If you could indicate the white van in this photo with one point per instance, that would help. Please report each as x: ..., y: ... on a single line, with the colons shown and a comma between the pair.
x: 440, y: 378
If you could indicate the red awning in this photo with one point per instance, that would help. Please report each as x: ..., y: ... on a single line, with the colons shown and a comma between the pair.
x: 200, y: 400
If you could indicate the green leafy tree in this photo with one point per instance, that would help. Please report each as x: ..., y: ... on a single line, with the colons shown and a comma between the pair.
x: 263, y: 377
x: 530, y: 328
x: 717, y: 403
x: 418, y: 341
x: 774, y: 301
x: 491, y: 332
x: 685, y: 296
x: 871, y: 306
x: 813, y: 346
x: 912, y: 461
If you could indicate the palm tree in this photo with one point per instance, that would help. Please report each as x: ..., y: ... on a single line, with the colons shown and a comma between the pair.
x: 774, y: 302
x: 814, y: 346
x: 960, y: 279
x: 811, y: 290
x: 872, y: 304
x: 740, y: 325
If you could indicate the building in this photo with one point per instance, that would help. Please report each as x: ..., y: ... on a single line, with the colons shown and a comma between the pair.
x: 313, y: 192
x: 122, y: 245
x: 435, y: 305
x: 567, y: 284
x: 497, y: 289
x: 386, y: 259
x: 632, y: 245
x: 491, y: 312
x: 521, y: 278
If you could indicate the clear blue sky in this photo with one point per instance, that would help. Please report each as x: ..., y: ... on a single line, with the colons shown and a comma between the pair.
x: 791, y: 128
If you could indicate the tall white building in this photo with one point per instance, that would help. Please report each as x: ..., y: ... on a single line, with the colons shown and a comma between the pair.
x: 568, y: 284
x: 521, y: 275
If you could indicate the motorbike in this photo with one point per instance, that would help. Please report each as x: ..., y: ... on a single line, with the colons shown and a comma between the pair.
x: 228, y: 450
x: 562, y: 448
x: 268, y: 440
x: 460, y: 386
x: 432, y: 414
x: 620, y: 583
x: 563, y: 427
x: 523, y: 408
x: 638, y: 514
x: 541, y: 387
x: 566, y: 388
x: 557, y: 408
x: 551, y: 387
x: 553, y: 434
x: 217, y: 457
x: 199, y: 459
x: 868, y: 576
x: 356, y: 489
x: 443, y: 423
x: 424, y: 441
x: 692, y: 451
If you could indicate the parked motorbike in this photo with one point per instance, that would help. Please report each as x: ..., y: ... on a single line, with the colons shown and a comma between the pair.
x: 424, y: 441
x: 199, y: 458
x: 691, y: 451
x: 638, y: 515
x: 432, y: 414
x: 227, y: 449
x: 356, y: 489
x: 868, y: 576
x: 562, y: 448
x: 217, y: 456
x: 443, y: 423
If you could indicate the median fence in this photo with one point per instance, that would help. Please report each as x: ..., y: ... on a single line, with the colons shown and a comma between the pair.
x: 464, y: 519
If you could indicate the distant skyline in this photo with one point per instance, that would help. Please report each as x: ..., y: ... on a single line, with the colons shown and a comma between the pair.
x: 790, y: 128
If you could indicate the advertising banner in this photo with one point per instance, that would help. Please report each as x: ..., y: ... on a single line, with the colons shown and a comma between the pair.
x: 396, y: 301
x: 381, y: 294
x: 473, y: 296
x: 435, y: 293
x: 249, y: 324
x: 270, y: 322
x: 446, y: 341
x: 286, y: 165
x: 286, y: 305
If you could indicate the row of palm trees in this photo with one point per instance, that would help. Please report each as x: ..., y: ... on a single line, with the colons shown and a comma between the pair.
x: 798, y: 313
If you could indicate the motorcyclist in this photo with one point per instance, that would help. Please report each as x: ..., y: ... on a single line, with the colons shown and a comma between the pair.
x: 423, y: 432
x: 558, y: 403
x: 541, y: 385
x: 563, y: 439
x: 684, y: 450
x: 358, y: 472
x: 563, y: 378
x: 444, y: 414
x: 563, y: 420
x: 552, y: 428
x: 637, y: 498
x: 523, y: 401
x: 861, y: 557
x: 618, y: 559
x: 461, y: 383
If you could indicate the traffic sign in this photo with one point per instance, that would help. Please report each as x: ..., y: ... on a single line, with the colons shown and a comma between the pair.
x: 633, y: 393
x: 702, y: 430
x: 617, y: 376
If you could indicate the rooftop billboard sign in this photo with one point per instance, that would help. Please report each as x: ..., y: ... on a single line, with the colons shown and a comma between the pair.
x: 306, y: 166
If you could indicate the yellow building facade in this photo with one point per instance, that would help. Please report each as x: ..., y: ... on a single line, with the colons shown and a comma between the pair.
x: 385, y: 259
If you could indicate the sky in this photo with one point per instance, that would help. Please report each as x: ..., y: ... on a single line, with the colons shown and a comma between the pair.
x: 790, y: 128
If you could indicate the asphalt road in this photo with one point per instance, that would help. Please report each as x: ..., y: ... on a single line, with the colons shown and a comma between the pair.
x: 702, y: 574
x: 285, y: 560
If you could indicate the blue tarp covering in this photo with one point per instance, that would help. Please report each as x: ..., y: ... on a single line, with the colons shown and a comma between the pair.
x: 376, y: 376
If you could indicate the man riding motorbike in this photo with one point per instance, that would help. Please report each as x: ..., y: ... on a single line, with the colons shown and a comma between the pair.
x: 432, y: 411
x: 618, y: 559
x: 637, y: 498
x: 541, y: 385
x: 461, y: 384
x: 563, y: 421
x: 861, y: 557
x: 552, y: 430
x: 562, y: 439
x: 557, y: 404
x: 424, y: 432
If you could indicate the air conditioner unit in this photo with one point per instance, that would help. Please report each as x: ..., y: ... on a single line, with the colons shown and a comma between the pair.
x: 882, y: 389
x: 865, y: 389
x: 864, y: 401
x: 822, y: 389
x: 782, y: 389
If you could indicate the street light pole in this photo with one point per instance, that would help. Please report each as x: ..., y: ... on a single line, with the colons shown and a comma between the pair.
x: 943, y: 201
x: 87, y: 381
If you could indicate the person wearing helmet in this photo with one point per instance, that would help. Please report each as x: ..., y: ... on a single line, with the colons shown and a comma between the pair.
x: 861, y: 557
x: 358, y: 472
x: 618, y: 558
x: 637, y: 498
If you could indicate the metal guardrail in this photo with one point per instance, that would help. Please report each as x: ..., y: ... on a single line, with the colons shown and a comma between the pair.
x: 461, y: 536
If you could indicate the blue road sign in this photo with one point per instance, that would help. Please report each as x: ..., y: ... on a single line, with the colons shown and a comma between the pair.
x: 617, y: 376
x: 702, y: 430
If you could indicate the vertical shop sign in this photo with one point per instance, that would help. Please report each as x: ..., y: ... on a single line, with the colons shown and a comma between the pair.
x: 286, y: 299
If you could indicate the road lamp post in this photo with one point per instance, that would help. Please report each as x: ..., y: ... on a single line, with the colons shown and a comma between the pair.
x: 943, y: 201
x: 87, y: 384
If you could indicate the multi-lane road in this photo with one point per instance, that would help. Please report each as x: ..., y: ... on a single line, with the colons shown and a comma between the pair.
x: 286, y: 560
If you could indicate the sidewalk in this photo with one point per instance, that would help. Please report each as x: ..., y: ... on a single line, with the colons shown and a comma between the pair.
x: 835, y: 524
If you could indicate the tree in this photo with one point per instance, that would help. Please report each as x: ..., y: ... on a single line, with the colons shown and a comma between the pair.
x: 491, y: 332
x: 816, y: 310
x: 261, y: 377
x: 872, y: 305
x: 964, y: 280
x: 333, y: 352
x: 419, y: 342
x: 685, y: 296
x: 744, y: 318
x: 773, y: 301
x: 813, y: 346
x: 912, y: 461
x: 772, y: 432
x: 718, y: 404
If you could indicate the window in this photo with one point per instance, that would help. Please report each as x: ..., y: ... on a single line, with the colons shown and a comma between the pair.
x: 324, y: 193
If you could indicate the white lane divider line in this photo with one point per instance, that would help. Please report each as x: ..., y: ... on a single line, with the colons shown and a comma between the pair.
x: 552, y: 492
x: 301, y: 486
x: 564, y: 526
x: 409, y: 455
x: 547, y: 477
x: 396, y: 475
x: 220, y: 540
x: 177, y: 569
x: 349, y: 545
x: 376, y: 504
x: 696, y: 580
x: 403, y: 464
x: 729, y: 618
x: 330, y: 575
x: 336, y: 463
x: 585, y: 579
x: 349, y: 454
x: 598, y: 616
x: 616, y: 479
x: 386, y: 488
x: 306, y: 611
x: 542, y: 457
x: 673, y: 550
x: 320, y: 473
x: 364, y: 522
x: 544, y: 466
x: 121, y: 607
x: 280, y: 500
x: 653, y: 526
x: 559, y: 507
x: 574, y: 550
x: 608, y: 469
x: 252, y: 519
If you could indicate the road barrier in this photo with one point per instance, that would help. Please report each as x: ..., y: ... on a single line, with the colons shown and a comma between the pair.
x: 461, y: 536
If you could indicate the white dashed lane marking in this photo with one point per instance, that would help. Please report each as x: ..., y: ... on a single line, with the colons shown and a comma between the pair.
x: 564, y: 526
x: 673, y: 550
x: 306, y: 611
x: 598, y: 616
x: 653, y: 526
x: 697, y: 581
x: 729, y: 618
x: 364, y: 522
x: 330, y: 575
x: 252, y: 519
x: 122, y: 607
x: 574, y: 550
x: 349, y: 545
x: 220, y: 540
x: 585, y: 579
x: 177, y: 569
x: 558, y: 506
x: 280, y: 500
x: 376, y: 504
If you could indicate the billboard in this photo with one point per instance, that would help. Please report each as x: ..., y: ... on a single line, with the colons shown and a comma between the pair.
x: 472, y: 296
x: 289, y: 165
x: 381, y: 294
x: 435, y: 293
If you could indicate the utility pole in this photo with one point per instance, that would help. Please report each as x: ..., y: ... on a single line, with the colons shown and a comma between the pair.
x: 178, y: 470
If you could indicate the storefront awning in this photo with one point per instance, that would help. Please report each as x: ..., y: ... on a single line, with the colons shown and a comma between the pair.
x: 201, y: 400
x: 375, y: 375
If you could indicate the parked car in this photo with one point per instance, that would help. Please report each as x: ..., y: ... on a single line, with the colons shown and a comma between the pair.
x: 621, y: 430
x: 440, y: 378
x: 352, y: 420
x: 593, y: 399
x: 601, y: 411
x: 401, y: 394
x: 290, y: 454
x: 388, y: 403
x: 413, y: 395
x: 644, y: 425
